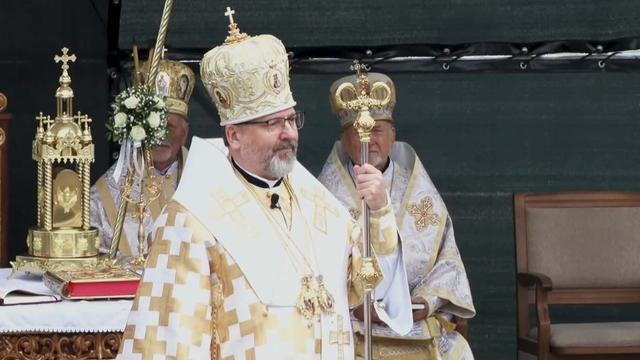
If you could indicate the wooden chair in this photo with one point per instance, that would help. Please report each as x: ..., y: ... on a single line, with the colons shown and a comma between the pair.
x: 462, y: 326
x: 577, y: 248
x: 4, y: 177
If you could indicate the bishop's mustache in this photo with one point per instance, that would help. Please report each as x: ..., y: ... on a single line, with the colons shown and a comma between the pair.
x: 293, y: 145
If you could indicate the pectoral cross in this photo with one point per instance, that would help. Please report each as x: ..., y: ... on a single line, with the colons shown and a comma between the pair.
x: 340, y: 338
x: 230, y: 13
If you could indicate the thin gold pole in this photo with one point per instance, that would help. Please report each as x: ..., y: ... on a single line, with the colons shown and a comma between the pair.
x: 137, y: 74
x: 162, y: 33
x: 368, y: 299
x: 122, y: 210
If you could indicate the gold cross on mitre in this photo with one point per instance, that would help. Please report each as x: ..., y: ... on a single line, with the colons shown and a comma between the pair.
x: 361, y: 76
x: 235, y: 36
x: 340, y: 338
x: 359, y: 68
x: 424, y: 213
x: 230, y: 13
x: 65, y: 66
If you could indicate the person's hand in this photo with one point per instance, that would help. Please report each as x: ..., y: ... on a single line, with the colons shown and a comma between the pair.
x: 420, y: 314
x: 358, y: 312
x: 370, y: 186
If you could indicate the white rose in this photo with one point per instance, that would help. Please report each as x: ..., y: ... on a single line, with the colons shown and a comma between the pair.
x: 153, y: 119
x: 159, y: 103
x: 131, y: 102
x: 120, y: 120
x: 137, y: 133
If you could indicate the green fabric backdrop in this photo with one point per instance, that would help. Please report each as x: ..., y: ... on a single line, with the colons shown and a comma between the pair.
x: 303, y: 23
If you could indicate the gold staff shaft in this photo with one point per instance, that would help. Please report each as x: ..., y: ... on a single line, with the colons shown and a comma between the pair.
x: 368, y: 295
x: 368, y: 275
x: 137, y: 73
x: 162, y: 33
x: 122, y: 211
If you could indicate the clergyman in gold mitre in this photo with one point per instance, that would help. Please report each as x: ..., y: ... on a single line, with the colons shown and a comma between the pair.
x: 175, y: 82
x: 282, y: 262
x: 440, y: 285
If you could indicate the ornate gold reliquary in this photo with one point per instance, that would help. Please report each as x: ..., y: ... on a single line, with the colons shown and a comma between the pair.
x: 63, y: 150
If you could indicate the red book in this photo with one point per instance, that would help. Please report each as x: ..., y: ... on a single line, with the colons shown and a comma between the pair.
x: 108, y: 283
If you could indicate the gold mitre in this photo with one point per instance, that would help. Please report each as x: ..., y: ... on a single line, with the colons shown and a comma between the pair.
x: 348, y: 116
x: 175, y: 81
x: 247, y: 77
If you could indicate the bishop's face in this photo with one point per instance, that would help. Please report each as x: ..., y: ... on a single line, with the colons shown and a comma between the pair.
x: 267, y: 146
x: 167, y: 153
x: 383, y: 136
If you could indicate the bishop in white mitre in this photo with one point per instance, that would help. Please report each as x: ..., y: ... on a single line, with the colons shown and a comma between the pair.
x: 236, y: 272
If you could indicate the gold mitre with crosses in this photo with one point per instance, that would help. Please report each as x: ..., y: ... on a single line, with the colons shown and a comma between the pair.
x: 175, y: 81
x: 247, y: 77
x: 348, y: 116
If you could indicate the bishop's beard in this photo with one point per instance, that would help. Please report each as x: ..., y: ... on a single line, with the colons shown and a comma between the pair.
x: 274, y: 166
x: 278, y: 167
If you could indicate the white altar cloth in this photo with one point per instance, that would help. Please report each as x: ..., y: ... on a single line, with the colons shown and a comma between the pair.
x: 63, y: 317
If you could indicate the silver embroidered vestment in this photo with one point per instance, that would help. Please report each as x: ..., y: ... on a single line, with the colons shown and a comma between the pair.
x: 434, y: 267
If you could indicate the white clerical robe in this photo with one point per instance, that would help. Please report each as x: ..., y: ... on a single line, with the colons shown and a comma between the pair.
x: 223, y: 275
x: 106, y: 198
x: 434, y: 267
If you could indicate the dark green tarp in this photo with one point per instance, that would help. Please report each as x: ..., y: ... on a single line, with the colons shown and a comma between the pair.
x: 312, y: 23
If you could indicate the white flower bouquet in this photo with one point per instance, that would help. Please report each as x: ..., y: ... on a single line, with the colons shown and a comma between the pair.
x: 139, y: 116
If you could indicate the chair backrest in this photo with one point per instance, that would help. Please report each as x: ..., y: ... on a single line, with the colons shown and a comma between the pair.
x: 580, y: 240
x: 4, y: 175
